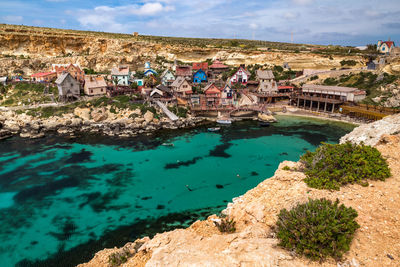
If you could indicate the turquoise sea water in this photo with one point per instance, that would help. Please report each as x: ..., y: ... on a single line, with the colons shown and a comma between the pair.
x: 62, y: 200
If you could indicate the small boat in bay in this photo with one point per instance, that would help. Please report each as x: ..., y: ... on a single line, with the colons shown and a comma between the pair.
x: 167, y: 144
x: 214, y: 129
x: 224, y: 121
x: 263, y: 124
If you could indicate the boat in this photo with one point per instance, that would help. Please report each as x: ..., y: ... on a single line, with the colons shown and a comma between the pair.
x: 263, y: 124
x: 167, y: 144
x: 224, y: 121
x: 214, y: 129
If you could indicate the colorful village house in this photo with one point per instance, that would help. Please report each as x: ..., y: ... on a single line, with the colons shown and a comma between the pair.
x: 95, y: 85
x: 227, y: 96
x: 148, y: 70
x: 385, y: 47
x: 184, y: 71
x: 68, y: 87
x: 267, y: 84
x: 199, y: 76
x: 212, y: 95
x: 200, y: 66
x: 120, y: 75
x: 181, y: 87
x: 167, y: 77
x: 241, y: 76
x: 44, y: 77
x: 217, y: 68
x: 76, y: 72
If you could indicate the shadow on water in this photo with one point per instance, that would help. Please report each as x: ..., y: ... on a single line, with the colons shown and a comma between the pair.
x: 117, y: 237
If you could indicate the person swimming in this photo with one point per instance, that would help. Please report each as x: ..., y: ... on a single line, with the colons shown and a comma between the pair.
x: 188, y: 188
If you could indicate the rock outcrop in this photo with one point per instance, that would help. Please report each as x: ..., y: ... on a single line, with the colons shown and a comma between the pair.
x: 89, y: 120
x: 371, y: 133
x: 376, y: 243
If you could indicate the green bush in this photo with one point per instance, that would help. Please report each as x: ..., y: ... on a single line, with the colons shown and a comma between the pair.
x: 118, y: 258
x: 286, y: 168
x: 332, y: 166
x: 317, y: 229
x: 348, y: 62
x: 226, y: 225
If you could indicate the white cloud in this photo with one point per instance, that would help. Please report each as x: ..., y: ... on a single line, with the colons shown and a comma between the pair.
x: 253, y: 26
x: 290, y: 15
x: 13, y: 19
x: 302, y: 2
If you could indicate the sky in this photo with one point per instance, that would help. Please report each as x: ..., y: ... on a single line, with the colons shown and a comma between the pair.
x: 337, y: 22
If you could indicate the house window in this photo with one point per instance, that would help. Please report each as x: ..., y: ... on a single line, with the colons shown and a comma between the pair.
x: 91, y: 91
x: 72, y: 84
x: 101, y: 90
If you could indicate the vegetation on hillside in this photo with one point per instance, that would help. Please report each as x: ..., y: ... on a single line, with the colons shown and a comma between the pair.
x: 317, y: 229
x: 368, y: 81
x: 26, y: 94
x: 334, y: 165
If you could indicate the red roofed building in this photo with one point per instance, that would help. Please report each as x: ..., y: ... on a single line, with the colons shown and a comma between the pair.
x: 197, y: 66
x: 184, y: 71
x: 213, y: 95
x: 385, y: 47
x: 72, y: 69
x: 44, y: 76
x: 218, y: 66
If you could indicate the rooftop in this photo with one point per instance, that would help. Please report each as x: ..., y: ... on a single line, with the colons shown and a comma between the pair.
x: 341, y: 89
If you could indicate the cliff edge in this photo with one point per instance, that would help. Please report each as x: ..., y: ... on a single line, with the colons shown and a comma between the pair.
x: 376, y: 243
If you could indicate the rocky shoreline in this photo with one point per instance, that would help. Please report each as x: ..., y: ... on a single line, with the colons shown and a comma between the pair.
x: 123, y: 123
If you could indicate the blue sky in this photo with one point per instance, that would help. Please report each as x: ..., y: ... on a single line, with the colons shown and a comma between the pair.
x: 344, y: 22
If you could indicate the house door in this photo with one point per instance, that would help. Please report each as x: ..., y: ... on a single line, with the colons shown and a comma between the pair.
x: 240, y: 78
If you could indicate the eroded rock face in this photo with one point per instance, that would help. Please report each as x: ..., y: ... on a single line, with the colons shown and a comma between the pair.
x: 99, y: 114
x: 371, y: 133
x: 83, y: 113
x: 255, y: 244
x: 46, y: 47
x: 148, y: 116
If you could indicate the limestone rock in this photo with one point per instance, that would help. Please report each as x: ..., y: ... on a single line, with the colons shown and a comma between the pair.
x: 83, y: 113
x: 99, y: 114
x: 265, y: 117
x: 148, y: 116
x: 371, y: 133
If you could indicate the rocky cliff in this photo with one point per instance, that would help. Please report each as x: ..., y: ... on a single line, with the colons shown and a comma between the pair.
x: 376, y: 243
x: 33, y: 49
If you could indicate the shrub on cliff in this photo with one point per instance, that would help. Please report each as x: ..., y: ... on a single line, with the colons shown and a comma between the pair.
x: 332, y: 166
x: 118, y: 258
x: 317, y: 229
x: 226, y: 225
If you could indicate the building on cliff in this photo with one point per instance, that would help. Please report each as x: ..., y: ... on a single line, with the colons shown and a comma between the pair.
x: 95, y: 85
x: 73, y: 69
x: 385, y: 47
x: 181, y: 87
x: 241, y: 76
x: 200, y: 66
x: 267, y: 83
x: 167, y: 77
x: 120, y: 75
x: 184, y: 71
x: 44, y: 77
x: 68, y: 87
x: 200, y: 76
x: 148, y: 70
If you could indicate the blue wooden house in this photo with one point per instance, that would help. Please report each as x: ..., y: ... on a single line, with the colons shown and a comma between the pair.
x: 200, y: 76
